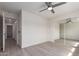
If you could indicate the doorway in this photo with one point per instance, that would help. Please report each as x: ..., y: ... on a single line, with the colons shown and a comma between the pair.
x: 9, y: 31
x: 10, y: 28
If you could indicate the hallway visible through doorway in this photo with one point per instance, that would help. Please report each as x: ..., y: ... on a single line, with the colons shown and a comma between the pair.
x: 9, y: 31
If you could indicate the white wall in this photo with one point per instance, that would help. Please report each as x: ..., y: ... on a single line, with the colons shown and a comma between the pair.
x: 34, y: 29
x: 53, y: 30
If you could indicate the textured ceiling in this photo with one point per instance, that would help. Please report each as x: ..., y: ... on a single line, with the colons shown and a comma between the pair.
x: 35, y: 7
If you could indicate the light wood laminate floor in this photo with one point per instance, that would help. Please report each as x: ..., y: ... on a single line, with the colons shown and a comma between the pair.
x: 57, y: 48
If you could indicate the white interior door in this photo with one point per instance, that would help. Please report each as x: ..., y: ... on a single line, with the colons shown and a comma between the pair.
x: 1, y: 32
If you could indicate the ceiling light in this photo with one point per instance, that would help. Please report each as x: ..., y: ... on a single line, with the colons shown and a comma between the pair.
x: 50, y: 8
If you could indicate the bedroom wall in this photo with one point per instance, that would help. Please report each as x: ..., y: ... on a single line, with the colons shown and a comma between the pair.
x: 53, y: 30
x: 34, y: 29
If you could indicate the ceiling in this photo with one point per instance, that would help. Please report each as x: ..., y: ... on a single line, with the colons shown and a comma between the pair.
x: 35, y: 7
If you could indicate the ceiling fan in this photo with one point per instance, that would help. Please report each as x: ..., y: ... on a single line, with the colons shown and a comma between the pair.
x: 50, y: 6
x: 68, y: 20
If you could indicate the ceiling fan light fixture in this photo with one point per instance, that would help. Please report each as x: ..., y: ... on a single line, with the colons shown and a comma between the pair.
x: 50, y: 8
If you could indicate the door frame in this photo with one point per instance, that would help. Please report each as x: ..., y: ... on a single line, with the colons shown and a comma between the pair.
x: 3, y: 14
x: 6, y: 30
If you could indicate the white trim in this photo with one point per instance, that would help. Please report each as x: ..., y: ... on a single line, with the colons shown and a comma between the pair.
x: 3, y: 31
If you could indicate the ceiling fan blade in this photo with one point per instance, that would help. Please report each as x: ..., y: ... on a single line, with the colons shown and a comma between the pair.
x: 68, y: 20
x: 52, y: 11
x: 43, y: 9
x: 58, y: 4
x: 48, y: 4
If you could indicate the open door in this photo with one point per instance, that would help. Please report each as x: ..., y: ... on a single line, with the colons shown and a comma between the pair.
x: 2, y: 32
x: 9, y: 31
